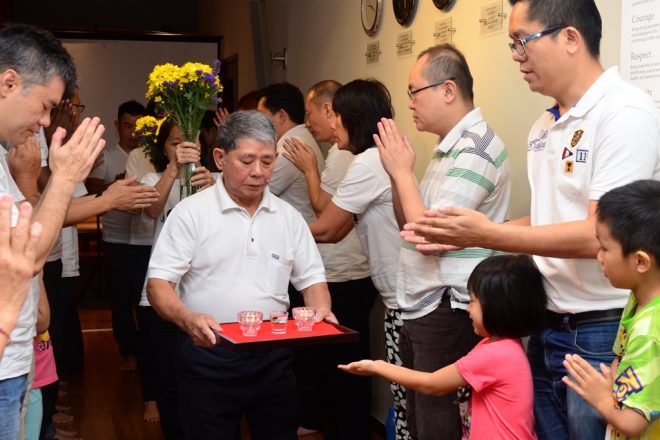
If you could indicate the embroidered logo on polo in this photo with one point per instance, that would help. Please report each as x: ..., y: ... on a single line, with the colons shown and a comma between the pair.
x: 576, y: 137
x: 538, y: 144
x: 568, y: 167
x: 626, y: 384
x: 580, y: 155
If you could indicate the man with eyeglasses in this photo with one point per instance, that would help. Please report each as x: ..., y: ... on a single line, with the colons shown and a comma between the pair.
x: 470, y: 169
x: 600, y: 133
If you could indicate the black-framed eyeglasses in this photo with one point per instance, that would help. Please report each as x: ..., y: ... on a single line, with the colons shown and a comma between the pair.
x: 413, y: 92
x: 80, y: 107
x: 519, y: 44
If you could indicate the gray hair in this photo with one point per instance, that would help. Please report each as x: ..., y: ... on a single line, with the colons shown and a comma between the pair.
x: 249, y: 124
x: 444, y: 62
x: 37, y: 56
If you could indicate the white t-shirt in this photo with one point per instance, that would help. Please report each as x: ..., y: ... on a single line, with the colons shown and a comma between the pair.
x: 142, y: 227
x: 226, y: 261
x: 345, y: 260
x: 116, y: 224
x: 288, y: 182
x: 609, y: 138
x: 367, y: 192
x: 17, y: 357
x: 173, y: 198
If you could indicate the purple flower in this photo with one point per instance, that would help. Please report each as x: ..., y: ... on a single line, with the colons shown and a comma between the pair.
x: 198, y: 72
x: 216, y: 67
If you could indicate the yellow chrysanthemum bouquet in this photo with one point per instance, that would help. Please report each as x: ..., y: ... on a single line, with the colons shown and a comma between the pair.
x: 184, y: 93
x: 146, y: 132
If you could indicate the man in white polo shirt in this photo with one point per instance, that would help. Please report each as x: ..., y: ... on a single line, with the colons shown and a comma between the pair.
x: 599, y: 134
x: 35, y: 71
x: 233, y: 247
x: 284, y: 104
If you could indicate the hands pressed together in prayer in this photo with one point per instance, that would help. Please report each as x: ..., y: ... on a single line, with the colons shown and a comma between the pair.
x: 73, y: 160
x: 300, y: 155
x: 396, y: 153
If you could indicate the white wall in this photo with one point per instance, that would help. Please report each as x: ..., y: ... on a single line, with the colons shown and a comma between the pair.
x: 325, y: 40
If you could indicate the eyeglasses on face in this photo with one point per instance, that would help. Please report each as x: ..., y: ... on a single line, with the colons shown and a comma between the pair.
x: 413, y: 92
x: 519, y: 44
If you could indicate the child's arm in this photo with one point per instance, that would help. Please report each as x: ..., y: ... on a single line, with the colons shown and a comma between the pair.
x: 438, y: 383
x: 43, y: 317
x: 596, y: 389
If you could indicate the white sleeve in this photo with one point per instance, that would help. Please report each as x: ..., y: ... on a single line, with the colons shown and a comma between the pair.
x: 360, y: 187
x: 7, y: 186
x: 174, y: 249
x: 284, y: 174
x: 132, y: 167
x: 336, y: 166
x: 627, y: 148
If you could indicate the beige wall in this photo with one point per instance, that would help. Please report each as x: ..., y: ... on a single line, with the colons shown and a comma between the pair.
x: 325, y: 40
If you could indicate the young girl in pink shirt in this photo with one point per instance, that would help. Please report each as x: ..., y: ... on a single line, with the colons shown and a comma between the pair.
x: 507, y: 302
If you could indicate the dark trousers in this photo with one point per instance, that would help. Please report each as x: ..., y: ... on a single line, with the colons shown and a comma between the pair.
x: 325, y: 390
x: 428, y: 344
x: 127, y: 268
x: 218, y: 386
x: 64, y: 328
x: 158, y: 368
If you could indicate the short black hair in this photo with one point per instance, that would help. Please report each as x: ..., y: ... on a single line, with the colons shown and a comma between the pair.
x: 632, y: 214
x: 287, y: 97
x: 159, y: 158
x: 581, y: 14
x: 444, y: 62
x: 132, y: 108
x: 37, y: 56
x: 361, y: 104
x: 511, y: 294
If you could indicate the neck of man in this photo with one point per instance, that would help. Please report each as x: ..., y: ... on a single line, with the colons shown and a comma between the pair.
x: 285, y: 127
x: 576, y: 84
x: 452, y: 118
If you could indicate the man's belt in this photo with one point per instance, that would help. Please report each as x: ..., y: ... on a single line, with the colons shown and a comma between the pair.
x: 565, y: 321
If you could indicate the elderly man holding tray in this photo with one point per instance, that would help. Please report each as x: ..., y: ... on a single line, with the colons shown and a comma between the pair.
x: 232, y: 247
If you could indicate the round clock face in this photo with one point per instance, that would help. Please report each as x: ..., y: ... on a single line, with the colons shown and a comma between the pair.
x: 443, y: 4
x: 371, y: 11
x: 403, y: 11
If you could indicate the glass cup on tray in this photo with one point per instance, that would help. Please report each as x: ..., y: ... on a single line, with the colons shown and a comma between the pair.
x: 250, y: 322
x: 304, y: 317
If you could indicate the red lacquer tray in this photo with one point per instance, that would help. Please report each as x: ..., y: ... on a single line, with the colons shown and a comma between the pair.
x: 322, y: 333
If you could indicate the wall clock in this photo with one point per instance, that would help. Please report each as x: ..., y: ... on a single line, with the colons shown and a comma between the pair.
x: 371, y: 12
x: 404, y: 10
x: 443, y: 5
